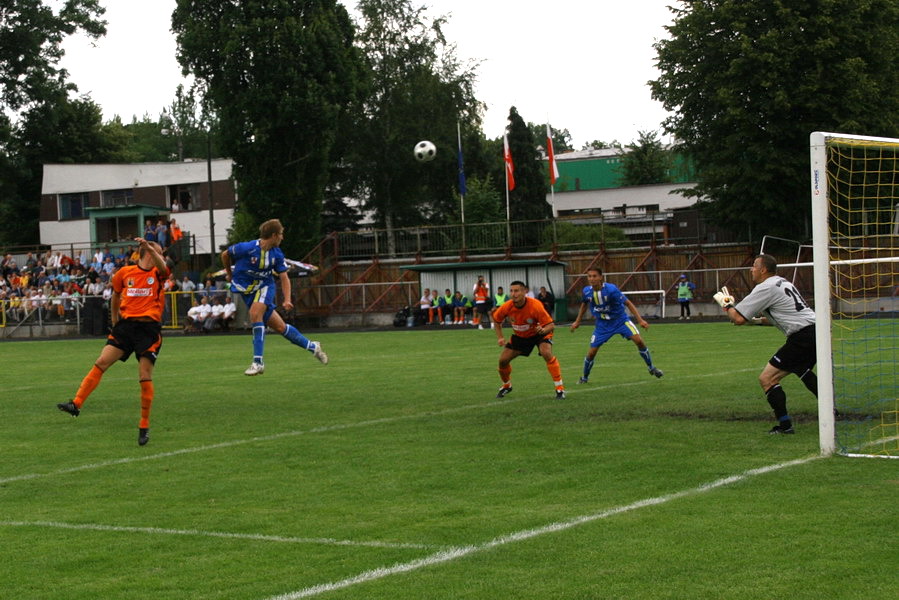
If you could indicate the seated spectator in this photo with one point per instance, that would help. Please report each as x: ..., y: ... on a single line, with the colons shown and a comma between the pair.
x: 459, y: 302
x: 229, y: 313
x: 196, y: 315
x: 215, y: 315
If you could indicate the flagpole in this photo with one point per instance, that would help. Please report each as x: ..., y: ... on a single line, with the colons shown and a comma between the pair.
x: 506, y: 171
x: 462, y: 190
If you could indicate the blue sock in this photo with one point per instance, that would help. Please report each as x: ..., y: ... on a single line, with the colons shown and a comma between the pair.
x: 646, y: 357
x: 258, y: 341
x: 295, y: 337
x: 588, y: 366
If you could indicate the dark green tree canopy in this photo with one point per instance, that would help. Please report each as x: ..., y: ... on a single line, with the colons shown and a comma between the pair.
x: 417, y: 89
x: 278, y: 75
x: 31, y: 34
x: 647, y: 161
x: 528, y: 200
x: 747, y: 81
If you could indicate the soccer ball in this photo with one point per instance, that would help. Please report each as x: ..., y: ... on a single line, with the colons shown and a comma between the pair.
x: 425, y: 151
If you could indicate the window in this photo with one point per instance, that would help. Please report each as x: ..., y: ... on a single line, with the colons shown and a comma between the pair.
x: 110, y: 198
x: 71, y: 206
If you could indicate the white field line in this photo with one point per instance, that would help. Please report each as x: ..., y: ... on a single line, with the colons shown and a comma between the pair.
x: 450, y: 554
x: 327, y: 428
x: 215, y: 534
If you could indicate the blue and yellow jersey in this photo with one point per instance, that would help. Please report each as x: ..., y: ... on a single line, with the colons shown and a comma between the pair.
x: 606, y: 303
x: 253, y: 266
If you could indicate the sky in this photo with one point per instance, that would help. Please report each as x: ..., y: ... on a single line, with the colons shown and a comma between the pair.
x: 582, y: 65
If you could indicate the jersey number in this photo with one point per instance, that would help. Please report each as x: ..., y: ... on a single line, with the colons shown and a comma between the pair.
x: 797, y: 299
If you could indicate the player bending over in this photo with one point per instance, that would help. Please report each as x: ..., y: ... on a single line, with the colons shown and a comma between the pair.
x: 778, y: 301
x: 533, y: 327
x: 136, y: 314
x: 607, y: 304
x: 255, y: 264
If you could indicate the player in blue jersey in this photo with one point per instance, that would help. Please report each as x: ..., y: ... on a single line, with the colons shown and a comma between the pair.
x: 607, y: 304
x: 255, y: 265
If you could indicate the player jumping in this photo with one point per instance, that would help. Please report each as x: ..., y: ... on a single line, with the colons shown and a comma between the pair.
x: 607, y: 304
x: 255, y: 264
x: 136, y: 314
x: 533, y: 327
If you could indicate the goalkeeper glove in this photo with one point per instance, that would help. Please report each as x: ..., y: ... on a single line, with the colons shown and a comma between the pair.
x: 724, y: 299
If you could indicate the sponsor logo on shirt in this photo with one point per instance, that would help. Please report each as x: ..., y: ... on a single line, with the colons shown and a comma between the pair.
x: 138, y: 292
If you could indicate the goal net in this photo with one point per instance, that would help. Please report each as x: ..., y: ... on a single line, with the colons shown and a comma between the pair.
x: 855, y: 225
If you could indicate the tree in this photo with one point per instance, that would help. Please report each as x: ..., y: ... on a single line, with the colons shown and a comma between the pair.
x: 31, y: 34
x: 416, y: 89
x: 278, y: 76
x: 483, y: 203
x: 647, y: 161
x: 561, y: 137
x: 601, y: 145
x: 65, y: 131
x: 746, y: 82
x: 528, y: 200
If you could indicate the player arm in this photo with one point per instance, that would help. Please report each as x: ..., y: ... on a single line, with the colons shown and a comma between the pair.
x: 115, y: 304
x: 735, y: 316
x: 226, y: 264
x: 580, y: 315
x: 285, y: 290
x: 639, y: 319
x: 157, y: 258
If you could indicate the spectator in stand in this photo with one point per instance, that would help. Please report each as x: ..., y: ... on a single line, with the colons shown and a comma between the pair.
x: 30, y: 261
x: 424, y: 303
x: 187, y: 285
x: 149, y: 231
x: 175, y: 231
x: 548, y: 300
x: 229, y: 313
x: 196, y: 315
x: 162, y: 233
x: 108, y: 265
x: 54, y: 263
x: 215, y: 315
x: 435, y: 312
x: 458, y: 308
x: 133, y: 257
x: 176, y: 206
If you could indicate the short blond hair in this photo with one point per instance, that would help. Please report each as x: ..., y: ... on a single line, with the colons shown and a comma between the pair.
x: 270, y: 228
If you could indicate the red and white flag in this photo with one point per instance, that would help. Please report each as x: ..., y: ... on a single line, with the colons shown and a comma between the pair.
x: 553, y: 167
x: 510, y: 169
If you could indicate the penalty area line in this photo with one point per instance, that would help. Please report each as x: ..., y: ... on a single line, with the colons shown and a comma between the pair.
x: 450, y: 554
x: 216, y: 534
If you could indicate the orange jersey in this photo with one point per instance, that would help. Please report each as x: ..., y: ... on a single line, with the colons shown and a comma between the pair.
x: 480, y: 293
x: 526, y: 319
x: 141, y: 292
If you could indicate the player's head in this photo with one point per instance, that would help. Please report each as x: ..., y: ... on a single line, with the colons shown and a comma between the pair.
x: 594, y: 276
x: 763, y: 267
x: 271, y: 229
x: 518, y: 290
x: 144, y: 249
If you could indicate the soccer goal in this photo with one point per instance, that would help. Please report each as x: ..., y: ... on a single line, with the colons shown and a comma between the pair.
x: 653, y: 307
x: 855, y: 228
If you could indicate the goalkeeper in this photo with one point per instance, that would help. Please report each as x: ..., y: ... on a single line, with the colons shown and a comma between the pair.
x: 778, y: 301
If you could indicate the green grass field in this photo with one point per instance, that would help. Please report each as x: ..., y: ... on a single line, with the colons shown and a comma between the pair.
x: 393, y: 473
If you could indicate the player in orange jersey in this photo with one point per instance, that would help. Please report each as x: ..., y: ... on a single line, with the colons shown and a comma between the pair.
x: 136, y: 312
x: 533, y: 327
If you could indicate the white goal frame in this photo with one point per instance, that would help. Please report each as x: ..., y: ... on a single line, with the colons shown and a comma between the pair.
x: 660, y: 302
x: 822, y: 284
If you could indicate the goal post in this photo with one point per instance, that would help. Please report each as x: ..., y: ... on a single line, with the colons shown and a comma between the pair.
x: 855, y: 229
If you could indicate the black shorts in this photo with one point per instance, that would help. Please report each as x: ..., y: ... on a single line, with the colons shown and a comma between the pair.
x: 525, y: 345
x: 798, y: 354
x: 142, y: 338
x: 483, y: 307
